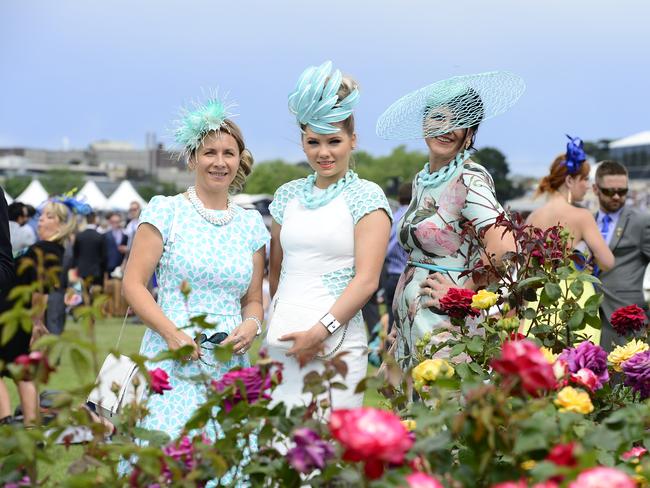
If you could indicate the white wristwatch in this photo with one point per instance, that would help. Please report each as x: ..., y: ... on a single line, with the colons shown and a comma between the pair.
x: 330, y: 323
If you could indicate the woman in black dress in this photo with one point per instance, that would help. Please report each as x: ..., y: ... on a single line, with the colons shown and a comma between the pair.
x: 41, y: 262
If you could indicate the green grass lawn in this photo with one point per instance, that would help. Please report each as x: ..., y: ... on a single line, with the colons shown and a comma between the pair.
x: 67, y: 376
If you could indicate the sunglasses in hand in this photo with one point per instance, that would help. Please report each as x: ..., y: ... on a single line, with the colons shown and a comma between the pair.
x: 610, y: 192
x: 209, y: 342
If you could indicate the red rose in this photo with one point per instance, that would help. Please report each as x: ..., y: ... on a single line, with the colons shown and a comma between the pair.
x: 628, y: 319
x: 522, y: 359
x: 457, y: 303
x: 34, y: 366
x: 563, y: 455
x: 159, y: 381
x: 371, y: 435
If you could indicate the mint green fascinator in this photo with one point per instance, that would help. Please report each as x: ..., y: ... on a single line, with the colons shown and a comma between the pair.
x: 197, y: 122
x: 315, y: 102
x: 448, y: 105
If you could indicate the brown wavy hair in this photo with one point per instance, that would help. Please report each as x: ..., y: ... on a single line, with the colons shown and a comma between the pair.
x: 558, y: 173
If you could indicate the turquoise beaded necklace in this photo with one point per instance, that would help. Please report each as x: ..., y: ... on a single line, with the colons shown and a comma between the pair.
x: 437, y: 178
x: 311, y: 201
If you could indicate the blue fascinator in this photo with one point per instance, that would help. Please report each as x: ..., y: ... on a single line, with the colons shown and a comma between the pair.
x: 575, y: 154
x: 195, y: 123
x: 456, y: 103
x: 315, y: 102
x: 77, y: 207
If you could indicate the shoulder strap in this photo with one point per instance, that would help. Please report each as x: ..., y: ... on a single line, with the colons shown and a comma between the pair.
x: 119, y: 338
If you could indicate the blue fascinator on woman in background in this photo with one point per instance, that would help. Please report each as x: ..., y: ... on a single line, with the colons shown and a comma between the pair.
x: 76, y: 206
x: 575, y: 154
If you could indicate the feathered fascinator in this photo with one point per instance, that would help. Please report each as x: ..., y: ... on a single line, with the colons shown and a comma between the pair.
x: 315, y: 103
x: 75, y: 206
x: 575, y: 154
x: 447, y: 105
x: 195, y: 123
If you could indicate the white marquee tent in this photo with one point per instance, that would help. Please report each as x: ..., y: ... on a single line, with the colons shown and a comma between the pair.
x: 123, y: 196
x: 8, y: 198
x: 93, y: 196
x: 34, y: 194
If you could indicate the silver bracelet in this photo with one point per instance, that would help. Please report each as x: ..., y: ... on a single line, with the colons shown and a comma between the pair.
x: 330, y: 323
x: 257, y: 322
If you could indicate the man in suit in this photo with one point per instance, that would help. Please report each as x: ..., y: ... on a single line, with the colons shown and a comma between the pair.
x: 627, y: 231
x: 90, y: 253
x: 116, y: 243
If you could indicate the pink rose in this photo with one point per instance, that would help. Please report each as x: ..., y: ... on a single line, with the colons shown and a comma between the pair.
x: 159, y: 381
x: 511, y: 484
x: 585, y: 377
x: 434, y: 240
x: 257, y: 382
x: 371, y: 435
x: 422, y: 480
x: 635, y: 452
x: 452, y: 199
x: 602, y: 477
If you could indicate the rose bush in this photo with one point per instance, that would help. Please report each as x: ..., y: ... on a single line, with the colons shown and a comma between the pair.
x: 530, y: 406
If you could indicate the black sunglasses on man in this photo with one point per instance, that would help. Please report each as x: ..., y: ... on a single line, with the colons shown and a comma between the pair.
x: 610, y: 192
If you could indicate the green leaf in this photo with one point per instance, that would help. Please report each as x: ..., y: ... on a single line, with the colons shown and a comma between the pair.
x: 575, y: 322
x: 553, y: 291
x: 80, y: 361
x: 475, y: 344
x: 534, y: 281
x: 8, y: 331
x: 577, y: 288
x: 593, y: 304
x: 462, y: 370
x: 456, y: 350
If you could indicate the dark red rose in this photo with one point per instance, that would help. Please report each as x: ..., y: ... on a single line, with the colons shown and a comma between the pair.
x: 457, y: 303
x: 563, y: 455
x: 626, y: 320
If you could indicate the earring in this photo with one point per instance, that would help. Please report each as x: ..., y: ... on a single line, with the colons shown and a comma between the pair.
x: 569, y: 197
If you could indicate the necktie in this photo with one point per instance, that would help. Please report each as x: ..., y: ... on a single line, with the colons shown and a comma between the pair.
x: 604, y: 227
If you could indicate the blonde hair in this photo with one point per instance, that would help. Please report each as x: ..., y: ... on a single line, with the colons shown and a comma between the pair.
x: 245, y: 157
x: 68, y: 219
x: 347, y: 86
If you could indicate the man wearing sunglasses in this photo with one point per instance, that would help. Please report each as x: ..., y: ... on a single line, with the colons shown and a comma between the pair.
x: 627, y: 231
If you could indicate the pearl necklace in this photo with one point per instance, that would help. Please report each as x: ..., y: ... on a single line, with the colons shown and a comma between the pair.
x: 437, y: 178
x: 311, y: 201
x: 211, y: 217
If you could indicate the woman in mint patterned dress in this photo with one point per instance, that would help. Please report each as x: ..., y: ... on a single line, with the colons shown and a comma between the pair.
x: 330, y: 233
x: 451, y: 193
x: 202, y: 238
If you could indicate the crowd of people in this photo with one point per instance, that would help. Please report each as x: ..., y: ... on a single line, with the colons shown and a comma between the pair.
x: 333, y: 241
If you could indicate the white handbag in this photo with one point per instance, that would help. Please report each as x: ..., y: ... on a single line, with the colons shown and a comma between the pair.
x: 119, y: 383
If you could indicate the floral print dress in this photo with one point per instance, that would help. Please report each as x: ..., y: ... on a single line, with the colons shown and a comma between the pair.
x: 431, y: 232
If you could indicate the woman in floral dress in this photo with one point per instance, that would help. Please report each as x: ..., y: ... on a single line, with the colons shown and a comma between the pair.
x: 449, y: 194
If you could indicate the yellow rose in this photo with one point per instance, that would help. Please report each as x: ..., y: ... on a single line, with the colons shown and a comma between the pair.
x: 409, y: 424
x: 528, y: 465
x: 622, y: 353
x: 430, y: 370
x: 484, y: 299
x: 548, y: 355
x: 571, y: 400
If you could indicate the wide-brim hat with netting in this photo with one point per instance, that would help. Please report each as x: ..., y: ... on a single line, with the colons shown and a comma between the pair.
x: 447, y: 105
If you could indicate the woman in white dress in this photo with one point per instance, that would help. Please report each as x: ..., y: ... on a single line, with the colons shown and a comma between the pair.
x: 329, y: 236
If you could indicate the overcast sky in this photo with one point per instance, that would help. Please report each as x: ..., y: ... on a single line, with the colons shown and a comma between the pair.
x: 87, y: 70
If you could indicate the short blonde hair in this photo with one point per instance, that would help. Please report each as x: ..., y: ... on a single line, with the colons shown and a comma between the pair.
x: 245, y: 157
x: 68, y: 219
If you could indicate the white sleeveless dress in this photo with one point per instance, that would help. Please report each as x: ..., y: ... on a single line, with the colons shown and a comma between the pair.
x: 317, y: 266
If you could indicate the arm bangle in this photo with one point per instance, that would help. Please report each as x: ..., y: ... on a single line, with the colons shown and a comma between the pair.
x: 257, y: 322
x: 330, y: 323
